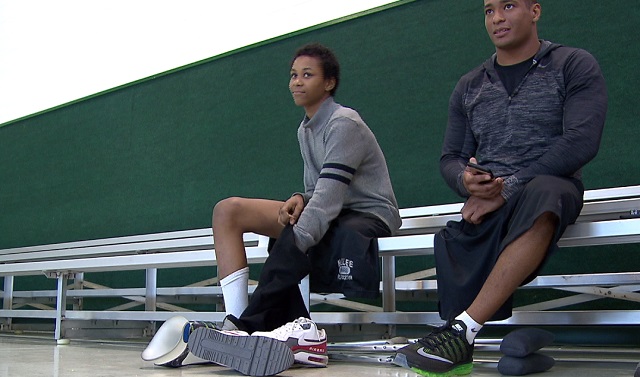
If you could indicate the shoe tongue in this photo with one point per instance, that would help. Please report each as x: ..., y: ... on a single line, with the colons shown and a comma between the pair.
x: 458, y: 327
x: 228, y: 325
x: 306, y: 326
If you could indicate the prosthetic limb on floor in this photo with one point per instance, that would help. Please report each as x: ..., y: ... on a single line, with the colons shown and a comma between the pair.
x: 169, y: 346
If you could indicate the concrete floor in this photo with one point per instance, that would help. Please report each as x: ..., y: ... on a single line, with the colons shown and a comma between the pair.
x: 35, y: 356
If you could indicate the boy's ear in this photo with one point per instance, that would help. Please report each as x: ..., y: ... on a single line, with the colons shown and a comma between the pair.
x: 329, y: 84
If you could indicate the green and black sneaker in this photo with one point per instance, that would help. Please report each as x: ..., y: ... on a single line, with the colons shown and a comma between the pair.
x: 444, y: 352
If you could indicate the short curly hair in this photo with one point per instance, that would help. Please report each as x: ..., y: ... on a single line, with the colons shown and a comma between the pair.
x: 330, y: 65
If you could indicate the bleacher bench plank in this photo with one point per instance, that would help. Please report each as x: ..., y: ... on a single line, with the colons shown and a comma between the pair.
x: 599, y: 224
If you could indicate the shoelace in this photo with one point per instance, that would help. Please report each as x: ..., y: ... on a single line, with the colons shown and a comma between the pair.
x: 198, y: 324
x: 445, y: 343
x: 291, y: 326
x: 435, y: 339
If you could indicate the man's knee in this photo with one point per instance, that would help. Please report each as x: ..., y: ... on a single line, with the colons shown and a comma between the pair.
x: 547, y: 220
x: 560, y: 195
x: 552, y: 185
x: 544, y: 183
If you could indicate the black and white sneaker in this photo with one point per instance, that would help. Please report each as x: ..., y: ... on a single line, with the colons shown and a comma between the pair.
x: 444, y: 352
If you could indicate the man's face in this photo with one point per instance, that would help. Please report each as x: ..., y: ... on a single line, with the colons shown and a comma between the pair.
x: 510, y: 23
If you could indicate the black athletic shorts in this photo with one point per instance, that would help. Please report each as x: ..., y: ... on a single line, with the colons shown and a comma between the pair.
x: 346, y: 258
x: 466, y: 253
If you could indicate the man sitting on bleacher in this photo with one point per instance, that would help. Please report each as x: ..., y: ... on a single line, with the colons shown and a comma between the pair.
x: 329, y: 232
x: 531, y: 116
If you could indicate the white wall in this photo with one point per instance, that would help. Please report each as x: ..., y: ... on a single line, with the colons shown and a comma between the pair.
x: 56, y: 51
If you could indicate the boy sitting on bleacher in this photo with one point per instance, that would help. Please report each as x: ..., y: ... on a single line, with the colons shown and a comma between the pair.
x: 328, y: 232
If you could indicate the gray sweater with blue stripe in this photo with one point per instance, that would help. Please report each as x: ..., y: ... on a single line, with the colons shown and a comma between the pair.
x: 344, y: 168
x: 550, y: 125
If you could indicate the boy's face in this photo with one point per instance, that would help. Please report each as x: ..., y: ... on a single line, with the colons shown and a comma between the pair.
x: 510, y: 23
x: 307, y: 83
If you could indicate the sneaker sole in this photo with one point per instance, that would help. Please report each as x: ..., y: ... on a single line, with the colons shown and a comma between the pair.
x: 249, y: 355
x: 311, y: 359
x: 460, y: 370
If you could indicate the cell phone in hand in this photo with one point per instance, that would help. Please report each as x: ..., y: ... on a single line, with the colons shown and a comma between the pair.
x: 480, y: 168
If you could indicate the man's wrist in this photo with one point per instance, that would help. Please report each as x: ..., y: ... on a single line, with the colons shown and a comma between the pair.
x: 509, y: 187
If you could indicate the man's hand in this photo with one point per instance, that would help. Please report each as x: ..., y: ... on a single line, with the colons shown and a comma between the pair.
x: 475, y: 208
x: 481, y: 184
x: 291, y: 210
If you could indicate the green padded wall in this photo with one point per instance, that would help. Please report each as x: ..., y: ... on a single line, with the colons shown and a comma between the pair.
x: 157, y: 154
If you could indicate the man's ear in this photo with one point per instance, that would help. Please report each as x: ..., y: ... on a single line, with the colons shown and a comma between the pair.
x: 536, y: 11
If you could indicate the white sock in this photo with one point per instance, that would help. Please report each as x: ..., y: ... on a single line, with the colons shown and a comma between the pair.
x: 235, y: 291
x: 472, y: 326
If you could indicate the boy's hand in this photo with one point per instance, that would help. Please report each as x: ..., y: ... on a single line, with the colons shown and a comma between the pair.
x: 291, y: 210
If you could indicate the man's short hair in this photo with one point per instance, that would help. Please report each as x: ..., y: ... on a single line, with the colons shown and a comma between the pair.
x: 330, y: 65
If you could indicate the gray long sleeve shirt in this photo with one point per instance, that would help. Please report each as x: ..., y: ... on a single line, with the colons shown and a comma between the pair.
x: 550, y: 125
x: 344, y: 168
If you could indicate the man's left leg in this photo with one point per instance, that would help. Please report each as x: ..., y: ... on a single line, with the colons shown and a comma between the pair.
x: 518, y: 261
x: 449, y: 349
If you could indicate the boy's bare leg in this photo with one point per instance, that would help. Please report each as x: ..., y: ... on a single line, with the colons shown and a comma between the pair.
x: 518, y: 260
x: 234, y: 216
